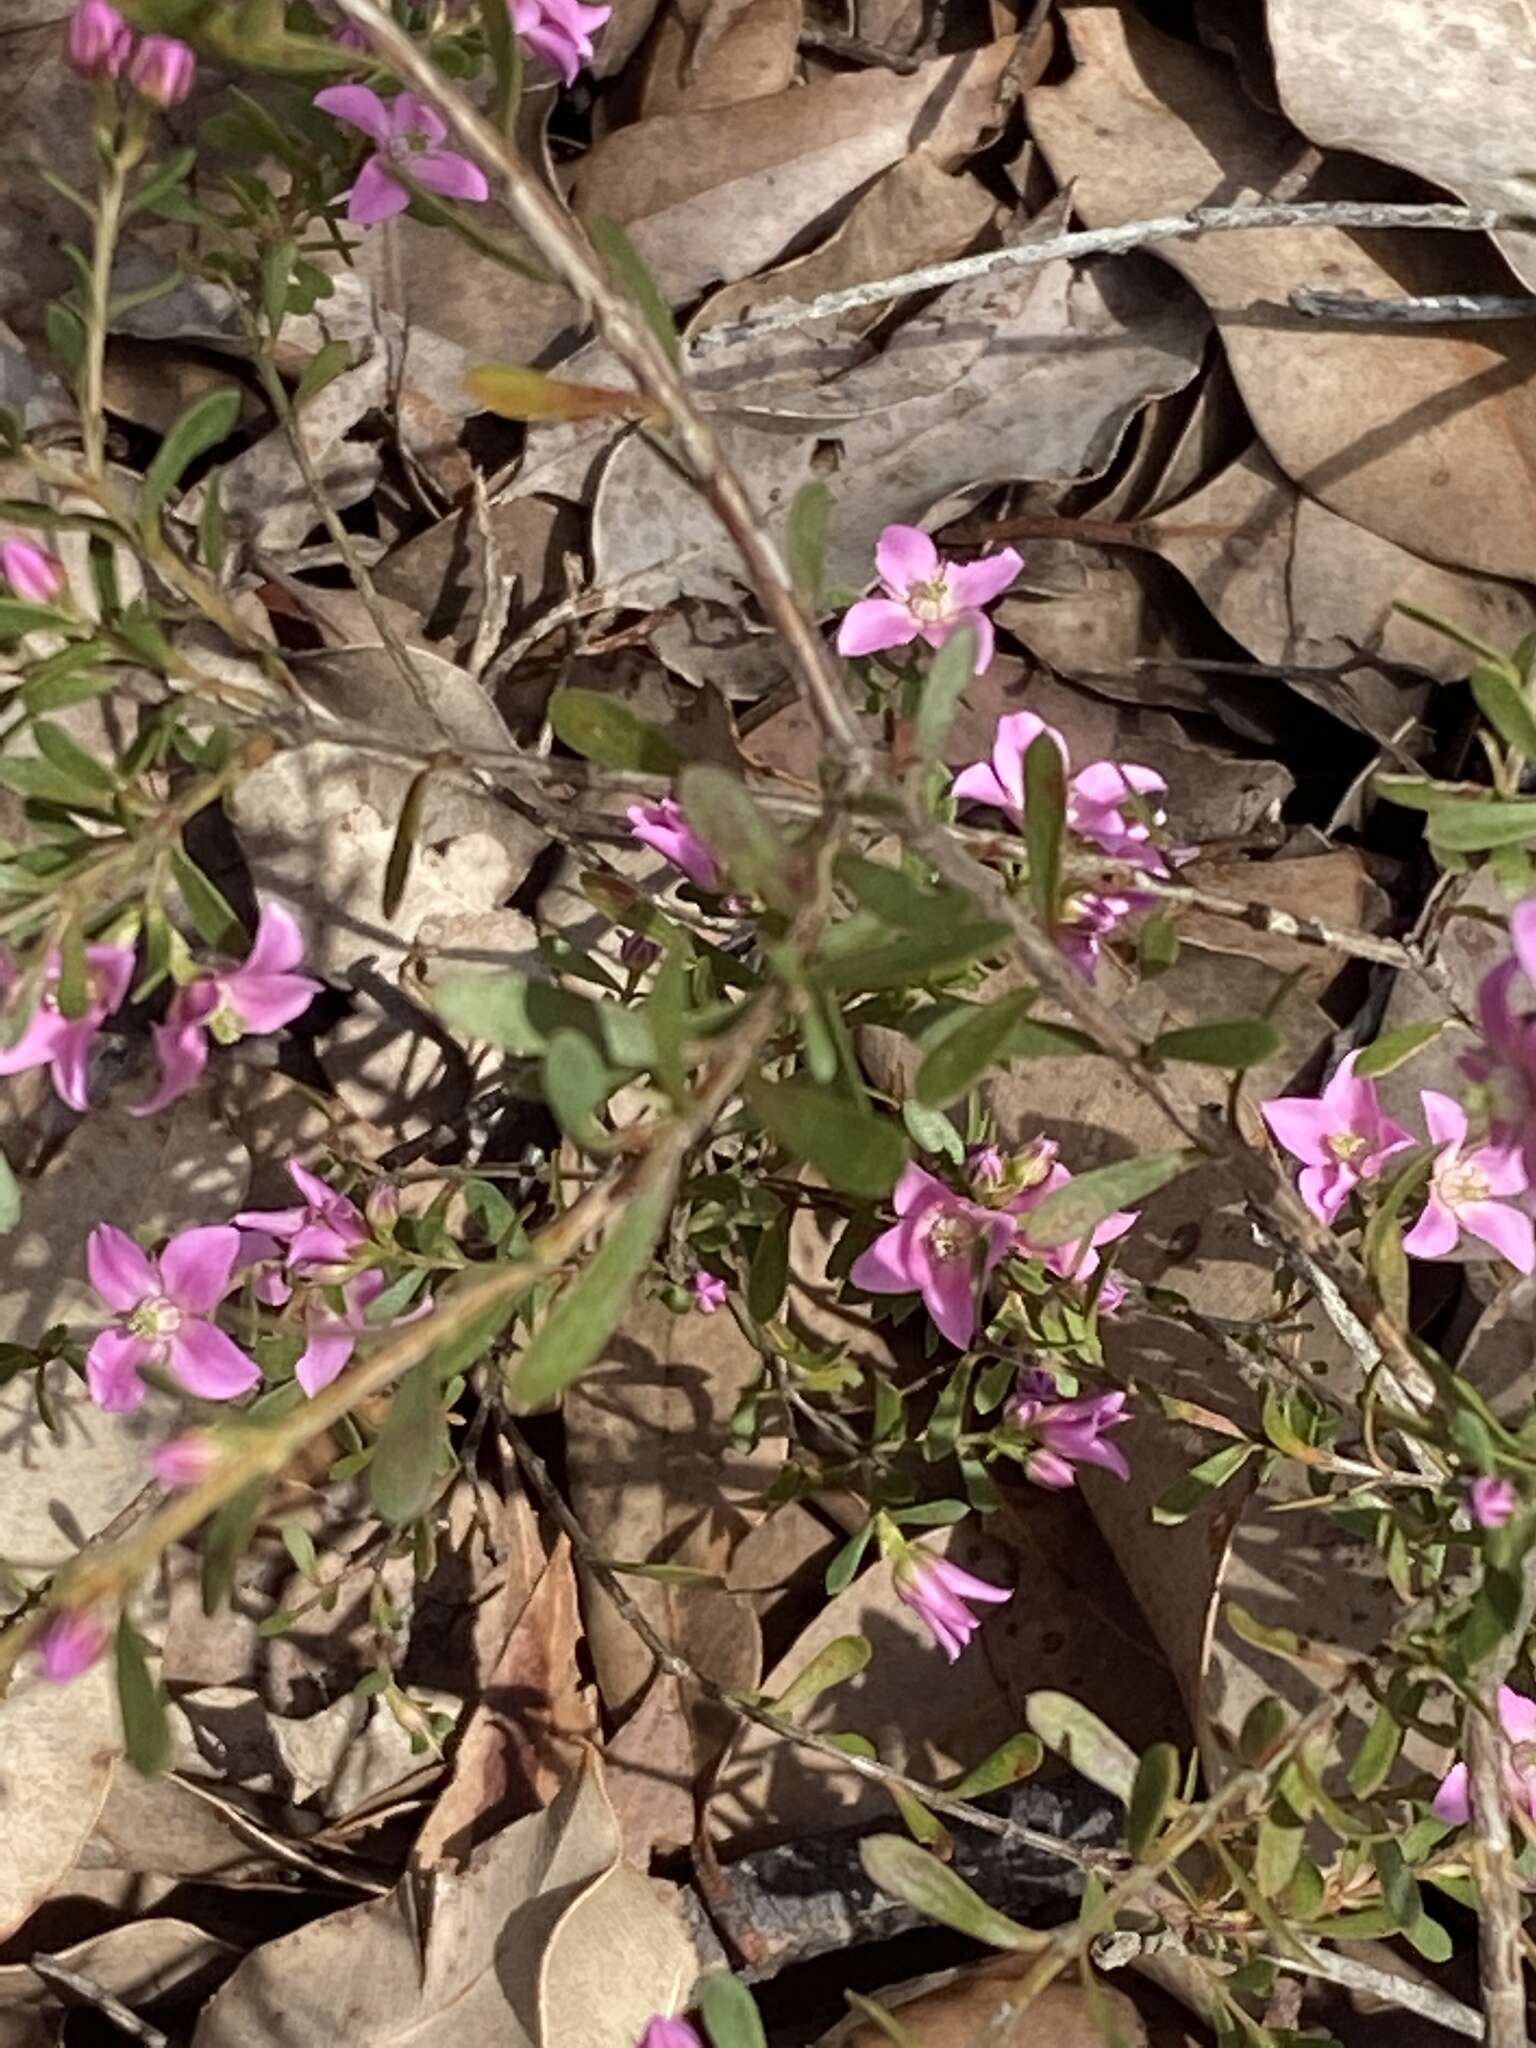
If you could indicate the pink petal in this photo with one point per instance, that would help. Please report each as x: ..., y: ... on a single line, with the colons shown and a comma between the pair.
x: 72, y: 1063
x: 1046, y: 1468
x: 551, y: 43
x: 454, y: 176
x: 1517, y: 1715
x: 873, y: 624
x: 1107, y: 1455
x: 1444, y: 1118
x: 1453, y: 1801
x: 1325, y: 1190
x: 182, y: 1050
x: 885, y: 1267
x: 112, y: 1370
x: 376, y: 196
x: 1302, y: 1125
x: 966, y: 1584
x: 268, y: 1001
x: 1112, y: 783
x: 1014, y: 737
x: 120, y: 1272
x: 917, y: 1188
x: 111, y: 969
x: 273, y: 1224
x: 359, y: 106
x: 197, y: 1266
x: 412, y: 116
x: 949, y: 1294
x: 1509, y: 1230
x: 974, y: 584
x: 279, y: 943
x: 1351, y: 1103
x: 979, y: 785
x: 1436, y: 1232
x: 209, y: 1364
x: 323, y: 1358
x: 36, y: 1045
x: 905, y: 555
x: 1522, y: 935
x: 1501, y: 1167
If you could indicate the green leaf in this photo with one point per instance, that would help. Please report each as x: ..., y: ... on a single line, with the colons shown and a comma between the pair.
x: 923, y: 1824
x: 1475, y: 827
x: 847, y: 1561
x: 216, y: 922
x: 1077, y: 1209
x: 897, y: 900
x: 769, y: 1272
x: 730, y: 2014
x: 1234, y: 1042
x: 586, y: 1314
x: 1187, y: 1496
x: 71, y: 759
x: 18, y: 617
x: 1033, y: 1039
x: 66, y: 334
x: 1418, y: 793
x: 1439, y: 624
x: 1157, y: 945
x: 405, y: 1457
x: 1265, y: 1727
x: 1072, y: 1732
x: 963, y: 1055
x: 838, y: 1661
x: 1152, y: 1793
x: 1394, y: 1048
x: 402, y: 848
x: 1045, y: 811
x: 205, y: 423
x: 1501, y: 697
x: 942, y: 688
x: 904, y: 1871
x: 323, y: 367
x: 1017, y: 1758
x: 601, y: 729
x: 146, y: 1730
x: 923, y: 956
x: 1375, y: 1757
x: 629, y: 269
x: 932, y: 1131
x: 522, y: 1015
x: 10, y: 1197
x: 300, y: 1546
x: 227, y: 1538
x: 577, y: 1080
x: 276, y: 269
x: 1278, y: 1853
x: 810, y: 512
x: 740, y: 836
x: 1381, y: 1248
x: 885, y: 2023
x: 850, y: 1147
x: 210, y: 525
x: 506, y: 54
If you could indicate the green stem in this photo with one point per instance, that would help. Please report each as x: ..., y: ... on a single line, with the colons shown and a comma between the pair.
x: 113, y: 191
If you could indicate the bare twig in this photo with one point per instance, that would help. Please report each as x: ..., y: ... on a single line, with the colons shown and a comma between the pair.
x: 1409, y: 1994
x: 1500, y: 1899
x: 54, y: 1970
x: 1440, y: 309
x: 1115, y: 241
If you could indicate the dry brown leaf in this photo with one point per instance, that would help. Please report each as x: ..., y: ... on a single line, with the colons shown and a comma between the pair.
x: 139, y: 1964
x: 716, y: 53
x: 528, y: 1729
x: 519, y: 1950
x: 967, y: 2007
x: 1426, y: 437
x: 652, y: 1766
x: 1447, y: 95
x: 706, y: 198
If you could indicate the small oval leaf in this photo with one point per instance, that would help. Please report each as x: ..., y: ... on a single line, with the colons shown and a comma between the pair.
x: 1078, y: 1208
x: 851, y: 1147
x: 904, y: 1871
x: 1233, y: 1042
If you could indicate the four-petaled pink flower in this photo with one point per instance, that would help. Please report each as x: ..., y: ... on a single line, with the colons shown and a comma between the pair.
x: 325, y: 1231
x: 663, y: 827
x: 709, y: 1292
x: 664, y: 2033
x: 938, y: 1591
x: 1342, y: 1137
x: 407, y: 133
x: 1505, y: 1064
x: 332, y: 1338
x: 162, y: 69
x: 559, y: 31
x: 1087, y: 919
x: 1517, y: 1717
x: 926, y: 598
x: 64, y: 1043
x: 1492, y: 1502
x: 1070, y: 1433
x: 36, y: 576
x: 165, y: 1310
x: 1463, y: 1191
x: 943, y: 1246
x: 259, y: 995
x: 1106, y: 801
x: 69, y: 1645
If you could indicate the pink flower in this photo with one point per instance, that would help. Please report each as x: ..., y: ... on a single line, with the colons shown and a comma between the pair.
x: 1492, y: 1502
x: 231, y: 1003
x: 186, y: 1460
x: 260, y: 1262
x: 559, y: 31
x: 709, y: 1292
x: 325, y: 1231
x: 943, y: 1247
x: 1087, y: 919
x: 99, y: 41
x: 663, y: 827
x: 938, y: 1591
x: 664, y: 2033
x: 926, y: 598
x: 1506, y: 1062
x: 1096, y: 795
x: 34, y: 574
x: 164, y: 1309
x: 1078, y: 1260
x: 162, y: 69
x: 407, y: 132
x: 64, y: 1043
x: 1069, y: 1433
x: 69, y: 1645
x: 985, y: 1165
x: 1517, y: 1717
x: 1462, y: 1185
x: 1342, y: 1137
x: 332, y: 1338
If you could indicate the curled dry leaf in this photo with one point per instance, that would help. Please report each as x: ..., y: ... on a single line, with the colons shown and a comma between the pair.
x: 1427, y: 437
x: 140, y: 1964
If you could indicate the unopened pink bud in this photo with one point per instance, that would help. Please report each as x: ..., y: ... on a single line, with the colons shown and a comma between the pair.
x: 639, y: 951
x: 665, y: 2033
x: 382, y: 1207
x: 162, y: 69
x: 69, y: 1645
x: 31, y: 571
x: 709, y: 1292
x: 186, y: 1460
x: 99, y: 39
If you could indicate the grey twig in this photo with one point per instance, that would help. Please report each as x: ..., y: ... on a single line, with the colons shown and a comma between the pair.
x: 1115, y: 241
x: 53, y: 1970
x: 1439, y: 309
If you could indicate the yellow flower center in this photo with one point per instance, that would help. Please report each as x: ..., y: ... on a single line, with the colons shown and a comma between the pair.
x: 930, y: 601
x: 951, y: 1237
x: 1462, y: 1184
x: 1345, y: 1145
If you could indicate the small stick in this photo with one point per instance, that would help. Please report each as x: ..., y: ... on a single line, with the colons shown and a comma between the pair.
x: 1439, y: 309
x: 53, y: 1970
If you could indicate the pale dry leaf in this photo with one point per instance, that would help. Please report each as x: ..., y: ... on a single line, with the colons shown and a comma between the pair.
x: 964, y: 2008
x: 489, y: 1960
x: 1426, y: 437
x: 706, y: 199
x: 1447, y: 95
x: 57, y: 1753
x: 142, y: 1963
x: 652, y: 1767
x: 716, y: 53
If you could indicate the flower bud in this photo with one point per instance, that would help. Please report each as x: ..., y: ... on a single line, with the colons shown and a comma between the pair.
x: 382, y: 1207
x: 99, y: 39
x: 185, y: 1460
x: 639, y: 951
x: 162, y: 69
x: 69, y: 1645
x: 31, y: 571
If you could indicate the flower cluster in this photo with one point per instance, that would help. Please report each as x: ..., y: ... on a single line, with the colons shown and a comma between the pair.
x: 161, y: 69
